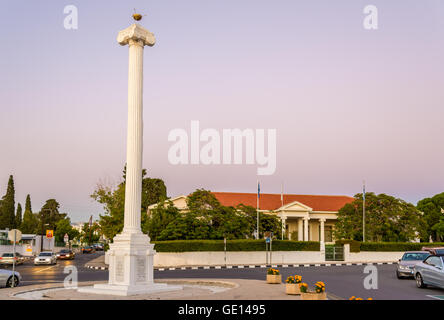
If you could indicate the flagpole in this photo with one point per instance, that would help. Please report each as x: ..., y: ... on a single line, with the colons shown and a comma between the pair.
x: 282, y: 204
x: 363, y: 212
x: 257, y: 210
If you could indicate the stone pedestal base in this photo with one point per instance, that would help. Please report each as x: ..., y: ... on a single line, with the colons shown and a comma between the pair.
x: 130, y: 267
x: 118, y: 290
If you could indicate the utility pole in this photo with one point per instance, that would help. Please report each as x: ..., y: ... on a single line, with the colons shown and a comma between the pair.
x: 257, y: 207
x: 363, y: 212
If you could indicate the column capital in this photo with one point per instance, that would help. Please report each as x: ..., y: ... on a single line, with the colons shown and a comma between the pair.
x: 306, y: 218
x: 322, y: 219
x: 136, y: 33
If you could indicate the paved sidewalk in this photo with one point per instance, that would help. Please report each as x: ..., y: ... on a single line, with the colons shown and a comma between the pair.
x: 193, y: 289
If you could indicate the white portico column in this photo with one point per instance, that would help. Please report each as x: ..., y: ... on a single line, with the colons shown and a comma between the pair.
x: 300, y: 230
x: 284, y: 224
x: 306, y: 219
x: 322, y: 235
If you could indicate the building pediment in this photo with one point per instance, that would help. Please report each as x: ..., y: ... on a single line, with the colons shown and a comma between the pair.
x: 295, y: 206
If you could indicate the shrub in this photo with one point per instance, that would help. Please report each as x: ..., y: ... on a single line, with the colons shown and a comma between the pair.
x: 397, y: 246
x: 233, y: 245
x: 355, y: 246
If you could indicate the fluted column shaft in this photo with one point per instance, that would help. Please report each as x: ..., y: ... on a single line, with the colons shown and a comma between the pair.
x: 134, y: 151
x: 306, y: 229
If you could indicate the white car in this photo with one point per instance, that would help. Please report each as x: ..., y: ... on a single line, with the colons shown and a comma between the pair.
x: 45, y: 257
x: 6, y: 278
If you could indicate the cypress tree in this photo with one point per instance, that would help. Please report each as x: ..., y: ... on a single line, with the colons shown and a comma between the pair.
x: 18, y: 216
x: 7, y: 217
x: 29, y: 223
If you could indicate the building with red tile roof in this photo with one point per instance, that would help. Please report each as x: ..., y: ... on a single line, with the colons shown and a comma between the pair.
x: 304, y: 217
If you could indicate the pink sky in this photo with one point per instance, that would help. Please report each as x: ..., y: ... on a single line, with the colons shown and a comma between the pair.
x: 348, y: 104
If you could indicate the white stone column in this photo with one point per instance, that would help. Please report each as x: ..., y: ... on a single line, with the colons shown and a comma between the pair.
x: 134, y: 146
x: 300, y: 230
x: 131, y: 253
x: 306, y: 219
x: 322, y: 234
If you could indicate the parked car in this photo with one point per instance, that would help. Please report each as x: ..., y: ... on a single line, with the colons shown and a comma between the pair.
x: 8, y: 258
x: 435, y: 251
x: 98, y: 246
x: 6, y: 278
x: 45, y: 257
x: 88, y: 249
x: 430, y: 272
x: 408, y: 261
x: 65, y: 254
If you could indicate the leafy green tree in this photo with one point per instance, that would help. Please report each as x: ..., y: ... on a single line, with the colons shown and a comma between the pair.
x: 186, y: 227
x: 387, y: 219
x: 438, y: 228
x: 63, y: 227
x: 89, y: 234
x: 18, y: 216
x: 267, y: 222
x: 7, y: 214
x: 30, y: 221
x: 202, y: 202
x: 432, y: 216
x: 159, y: 218
x: 113, y: 201
x: 49, y: 215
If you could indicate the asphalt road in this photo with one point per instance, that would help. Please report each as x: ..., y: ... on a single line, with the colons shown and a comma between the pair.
x: 341, y: 281
x: 55, y: 273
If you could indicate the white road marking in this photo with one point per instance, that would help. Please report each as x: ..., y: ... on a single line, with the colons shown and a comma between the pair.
x: 46, y: 269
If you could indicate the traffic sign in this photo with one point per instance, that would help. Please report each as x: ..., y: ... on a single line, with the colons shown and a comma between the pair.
x: 49, y: 234
x: 15, y: 234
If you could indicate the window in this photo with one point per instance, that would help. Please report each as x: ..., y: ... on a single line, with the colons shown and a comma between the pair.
x: 415, y: 256
x: 434, y: 261
x: 328, y: 232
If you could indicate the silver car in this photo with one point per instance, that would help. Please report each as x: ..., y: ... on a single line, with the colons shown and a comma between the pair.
x: 430, y: 272
x: 45, y: 257
x: 408, y: 262
x: 6, y: 279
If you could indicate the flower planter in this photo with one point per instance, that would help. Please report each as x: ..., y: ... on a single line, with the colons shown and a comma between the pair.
x: 274, y: 278
x: 313, y: 296
x: 292, y: 288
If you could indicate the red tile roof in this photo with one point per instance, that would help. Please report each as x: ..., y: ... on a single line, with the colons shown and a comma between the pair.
x: 269, y: 201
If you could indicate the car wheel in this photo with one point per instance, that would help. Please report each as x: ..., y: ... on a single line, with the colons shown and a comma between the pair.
x: 398, y: 275
x: 9, y: 283
x: 419, y: 281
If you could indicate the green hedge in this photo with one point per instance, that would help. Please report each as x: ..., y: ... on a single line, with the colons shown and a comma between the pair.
x: 397, y: 246
x: 355, y: 246
x: 233, y: 245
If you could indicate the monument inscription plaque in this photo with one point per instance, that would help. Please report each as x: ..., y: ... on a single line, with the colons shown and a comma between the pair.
x: 141, y: 269
x: 119, y: 268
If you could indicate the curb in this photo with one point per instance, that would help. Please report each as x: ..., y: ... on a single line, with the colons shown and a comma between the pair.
x: 258, y: 266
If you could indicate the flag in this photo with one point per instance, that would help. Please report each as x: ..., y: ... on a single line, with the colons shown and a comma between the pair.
x: 363, y: 191
x: 258, y: 190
